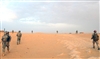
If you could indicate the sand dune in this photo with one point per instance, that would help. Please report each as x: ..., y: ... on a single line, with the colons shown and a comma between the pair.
x: 52, y: 46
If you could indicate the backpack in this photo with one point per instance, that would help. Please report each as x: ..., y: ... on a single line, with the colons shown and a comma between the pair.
x: 95, y: 37
x: 4, y: 38
x: 9, y: 38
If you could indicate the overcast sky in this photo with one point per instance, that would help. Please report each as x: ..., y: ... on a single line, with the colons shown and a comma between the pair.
x: 42, y: 16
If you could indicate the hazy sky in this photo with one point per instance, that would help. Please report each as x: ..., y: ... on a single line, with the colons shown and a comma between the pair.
x: 42, y: 16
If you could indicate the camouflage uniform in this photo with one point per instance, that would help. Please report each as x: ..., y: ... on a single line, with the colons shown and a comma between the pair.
x: 95, y: 40
x: 4, y: 41
x: 19, y: 35
x: 8, y: 41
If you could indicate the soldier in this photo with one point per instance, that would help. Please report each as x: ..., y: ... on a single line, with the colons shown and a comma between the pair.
x: 19, y: 35
x: 8, y: 41
x: 4, y: 40
x: 95, y: 38
x: 31, y: 31
x: 56, y: 31
x: 76, y: 31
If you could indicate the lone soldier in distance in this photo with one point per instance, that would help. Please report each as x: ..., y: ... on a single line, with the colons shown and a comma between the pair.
x: 57, y: 31
x: 19, y: 35
x: 76, y: 31
x: 31, y: 31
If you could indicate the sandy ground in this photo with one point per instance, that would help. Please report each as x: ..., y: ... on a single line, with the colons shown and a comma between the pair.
x: 52, y: 46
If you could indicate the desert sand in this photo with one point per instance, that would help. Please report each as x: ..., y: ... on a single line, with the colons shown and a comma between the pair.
x: 51, y: 46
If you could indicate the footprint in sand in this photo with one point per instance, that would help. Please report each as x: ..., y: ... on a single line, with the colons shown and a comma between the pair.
x: 62, y: 54
x: 94, y: 58
x: 89, y: 51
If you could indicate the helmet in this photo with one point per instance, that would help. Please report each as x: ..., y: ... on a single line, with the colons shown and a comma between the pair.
x: 95, y: 31
x: 19, y: 31
x: 7, y: 32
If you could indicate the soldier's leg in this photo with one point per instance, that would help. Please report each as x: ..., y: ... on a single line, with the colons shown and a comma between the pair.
x: 97, y: 45
x: 8, y: 46
x: 3, y: 48
x: 17, y: 41
x: 93, y: 44
x: 8, y: 49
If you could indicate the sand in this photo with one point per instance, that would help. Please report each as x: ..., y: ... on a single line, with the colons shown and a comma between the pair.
x: 52, y: 46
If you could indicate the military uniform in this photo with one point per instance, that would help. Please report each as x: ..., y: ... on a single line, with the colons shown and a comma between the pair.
x: 4, y: 42
x: 8, y: 41
x: 19, y: 35
x: 95, y: 38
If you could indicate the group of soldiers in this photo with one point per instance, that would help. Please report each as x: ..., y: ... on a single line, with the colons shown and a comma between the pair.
x: 6, y: 38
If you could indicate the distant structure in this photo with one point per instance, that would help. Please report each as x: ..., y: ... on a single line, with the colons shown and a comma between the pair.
x: 4, y: 29
x: 81, y: 32
x: 1, y: 30
x: 12, y: 31
x: 70, y: 33
x: 57, y: 31
x: 76, y: 31
x: 32, y: 31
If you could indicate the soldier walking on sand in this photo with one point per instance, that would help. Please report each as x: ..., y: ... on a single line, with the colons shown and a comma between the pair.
x: 8, y: 41
x: 19, y: 35
x: 95, y: 38
x: 4, y: 40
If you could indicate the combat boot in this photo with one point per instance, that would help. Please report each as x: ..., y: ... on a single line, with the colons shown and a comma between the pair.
x: 98, y: 48
x: 93, y: 46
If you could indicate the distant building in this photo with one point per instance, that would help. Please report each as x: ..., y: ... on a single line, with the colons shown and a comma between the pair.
x: 81, y: 32
x: 1, y: 30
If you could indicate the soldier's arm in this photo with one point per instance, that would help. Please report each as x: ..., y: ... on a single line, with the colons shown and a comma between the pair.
x: 9, y: 38
x: 21, y: 34
x: 2, y: 39
x: 17, y: 34
x: 92, y: 36
x: 97, y: 35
